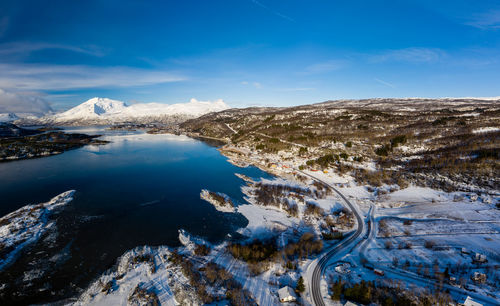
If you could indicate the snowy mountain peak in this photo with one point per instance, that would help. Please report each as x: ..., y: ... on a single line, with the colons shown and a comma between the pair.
x: 104, y: 105
x: 8, y: 117
x: 107, y: 111
x: 94, y: 107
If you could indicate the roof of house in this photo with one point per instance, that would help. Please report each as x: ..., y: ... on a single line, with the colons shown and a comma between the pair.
x: 286, y: 292
x: 470, y: 302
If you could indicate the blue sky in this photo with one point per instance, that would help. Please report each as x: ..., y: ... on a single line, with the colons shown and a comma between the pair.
x: 281, y: 52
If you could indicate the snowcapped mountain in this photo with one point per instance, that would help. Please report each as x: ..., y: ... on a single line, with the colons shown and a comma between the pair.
x: 92, y: 109
x: 8, y: 117
x: 107, y: 111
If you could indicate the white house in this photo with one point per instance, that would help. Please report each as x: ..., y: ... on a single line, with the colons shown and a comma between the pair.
x: 470, y: 302
x: 286, y: 294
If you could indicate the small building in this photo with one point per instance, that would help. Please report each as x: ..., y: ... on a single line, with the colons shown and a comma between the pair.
x: 379, y: 272
x: 487, y: 200
x: 470, y: 302
x: 473, y: 197
x: 286, y: 294
x: 479, y: 277
x: 343, y: 268
x: 480, y: 258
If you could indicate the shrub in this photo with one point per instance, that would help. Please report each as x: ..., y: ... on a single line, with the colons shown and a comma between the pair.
x: 332, y: 236
x: 300, y: 285
x: 383, y: 150
x: 429, y: 244
x: 313, y: 209
x: 401, y: 139
x: 201, y: 250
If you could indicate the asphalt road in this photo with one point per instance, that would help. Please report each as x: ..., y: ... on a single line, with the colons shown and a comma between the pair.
x: 347, y: 242
x: 322, y: 263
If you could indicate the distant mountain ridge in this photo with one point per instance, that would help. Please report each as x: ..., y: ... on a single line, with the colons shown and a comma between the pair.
x: 108, y: 111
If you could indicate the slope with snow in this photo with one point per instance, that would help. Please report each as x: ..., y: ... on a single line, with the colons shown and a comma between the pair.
x: 26, y: 225
x: 8, y: 117
x: 108, y: 111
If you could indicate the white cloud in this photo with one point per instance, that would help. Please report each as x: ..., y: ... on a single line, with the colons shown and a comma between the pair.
x: 61, y: 77
x: 11, y: 102
x: 384, y: 83
x: 324, y: 67
x: 273, y: 11
x: 292, y: 89
x: 257, y: 85
x: 486, y: 21
x: 416, y: 55
x: 23, y: 48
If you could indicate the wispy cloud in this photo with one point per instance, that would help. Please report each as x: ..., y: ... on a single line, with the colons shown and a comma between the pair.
x: 23, y: 48
x: 273, y: 11
x: 324, y: 67
x: 254, y: 84
x: 292, y: 89
x: 416, y: 55
x: 12, y: 102
x: 384, y: 83
x: 485, y: 21
x: 63, y: 77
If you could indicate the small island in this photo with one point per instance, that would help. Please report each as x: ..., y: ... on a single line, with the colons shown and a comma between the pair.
x: 220, y: 201
x: 21, y: 143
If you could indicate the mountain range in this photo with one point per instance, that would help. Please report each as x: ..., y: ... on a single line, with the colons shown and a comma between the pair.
x: 108, y: 111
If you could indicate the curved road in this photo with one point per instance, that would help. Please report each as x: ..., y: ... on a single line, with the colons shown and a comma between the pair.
x: 315, y: 286
x: 322, y: 263
x: 415, y: 277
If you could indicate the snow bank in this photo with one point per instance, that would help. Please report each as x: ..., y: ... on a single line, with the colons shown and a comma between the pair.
x: 486, y: 130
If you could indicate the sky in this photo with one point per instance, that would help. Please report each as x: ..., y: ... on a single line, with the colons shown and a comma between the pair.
x: 56, y: 54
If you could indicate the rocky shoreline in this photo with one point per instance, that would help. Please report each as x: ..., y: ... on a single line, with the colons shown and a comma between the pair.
x: 18, y: 143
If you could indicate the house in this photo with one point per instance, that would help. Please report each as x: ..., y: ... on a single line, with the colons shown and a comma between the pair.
x: 379, y: 272
x: 473, y: 197
x: 470, y: 302
x: 487, y: 200
x: 479, y: 278
x: 343, y: 268
x: 286, y: 294
x: 480, y: 258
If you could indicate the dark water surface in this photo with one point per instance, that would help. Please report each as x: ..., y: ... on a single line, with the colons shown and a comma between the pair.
x: 138, y: 190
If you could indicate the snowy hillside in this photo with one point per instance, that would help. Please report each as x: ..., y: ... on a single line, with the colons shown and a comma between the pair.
x: 8, y: 117
x: 107, y: 111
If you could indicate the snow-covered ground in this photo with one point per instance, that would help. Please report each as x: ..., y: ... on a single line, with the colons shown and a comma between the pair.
x: 26, y: 225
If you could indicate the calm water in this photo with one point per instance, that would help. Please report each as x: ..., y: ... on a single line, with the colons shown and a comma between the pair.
x: 138, y: 190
